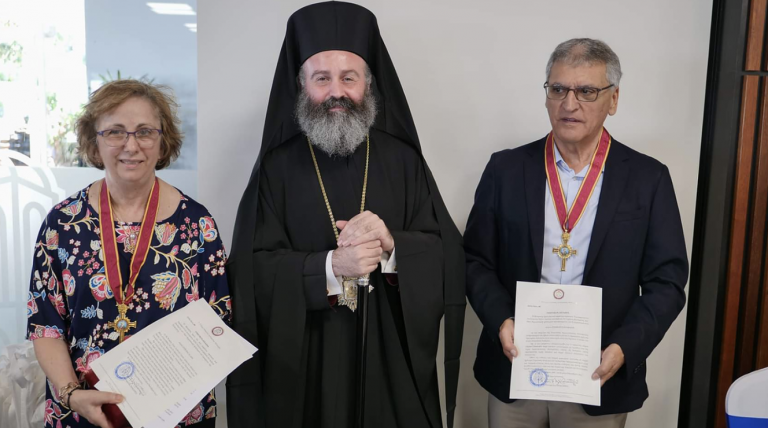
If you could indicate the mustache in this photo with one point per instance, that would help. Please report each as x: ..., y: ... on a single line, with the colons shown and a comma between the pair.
x: 344, y: 102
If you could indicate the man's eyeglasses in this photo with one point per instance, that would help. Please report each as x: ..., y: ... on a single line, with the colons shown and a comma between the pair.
x: 584, y: 93
x: 145, y: 137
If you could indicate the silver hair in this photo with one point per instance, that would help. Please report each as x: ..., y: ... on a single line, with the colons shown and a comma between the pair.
x: 577, y: 52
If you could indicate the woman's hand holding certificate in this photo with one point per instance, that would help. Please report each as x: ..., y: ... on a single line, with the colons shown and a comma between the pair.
x: 165, y: 369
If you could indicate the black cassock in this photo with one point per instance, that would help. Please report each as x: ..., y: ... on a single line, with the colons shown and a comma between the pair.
x: 294, y: 234
x: 303, y: 374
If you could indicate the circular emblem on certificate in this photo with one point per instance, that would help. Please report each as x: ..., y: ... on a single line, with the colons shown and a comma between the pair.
x: 538, y: 377
x: 125, y: 370
x: 217, y: 331
x: 559, y: 294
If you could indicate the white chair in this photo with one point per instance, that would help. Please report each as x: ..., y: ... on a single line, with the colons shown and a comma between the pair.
x: 27, y: 192
x: 22, y: 390
x: 746, y: 404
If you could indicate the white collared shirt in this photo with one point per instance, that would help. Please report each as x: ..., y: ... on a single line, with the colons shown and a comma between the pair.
x: 581, y: 234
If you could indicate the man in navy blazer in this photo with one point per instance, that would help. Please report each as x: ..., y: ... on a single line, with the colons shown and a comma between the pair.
x: 628, y: 240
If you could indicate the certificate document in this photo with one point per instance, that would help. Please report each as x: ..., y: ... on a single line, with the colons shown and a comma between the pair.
x: 557, y: 334
x: 165, y: 369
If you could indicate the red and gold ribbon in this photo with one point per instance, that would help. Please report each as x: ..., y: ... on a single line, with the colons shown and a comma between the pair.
x: 587, y: 186
x: 109, y: 242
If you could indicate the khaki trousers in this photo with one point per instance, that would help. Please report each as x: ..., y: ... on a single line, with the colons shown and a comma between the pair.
x: 547, y: 414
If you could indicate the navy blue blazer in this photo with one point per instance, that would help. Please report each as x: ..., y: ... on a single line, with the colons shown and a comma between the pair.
x: 637, y: 244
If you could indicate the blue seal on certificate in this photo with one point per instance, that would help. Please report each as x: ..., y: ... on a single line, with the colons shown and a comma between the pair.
x: 125, y: 370
x: 538, y: 377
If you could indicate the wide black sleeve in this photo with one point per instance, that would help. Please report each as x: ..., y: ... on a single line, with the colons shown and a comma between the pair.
x: 271, y: 246
x: 270, y: 310
x: 421, y: 233
x: 420, y: 275
x: 491, y: 301
x: 663, y: 274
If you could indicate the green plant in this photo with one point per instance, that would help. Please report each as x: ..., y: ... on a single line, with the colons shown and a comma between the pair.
x: 65, y: 152
x: 109, y: 78
x: 11, y: 53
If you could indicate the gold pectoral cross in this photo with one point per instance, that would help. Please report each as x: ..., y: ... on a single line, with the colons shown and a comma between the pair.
x: 348, y: 296
x: 122, y: 324
x: 564, y: 251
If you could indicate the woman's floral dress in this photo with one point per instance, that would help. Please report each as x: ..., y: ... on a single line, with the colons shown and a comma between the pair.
x: 70, y: 299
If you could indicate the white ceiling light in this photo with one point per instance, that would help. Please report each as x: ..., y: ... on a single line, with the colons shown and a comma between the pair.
x: 192, y: 27
x: 171, y: 8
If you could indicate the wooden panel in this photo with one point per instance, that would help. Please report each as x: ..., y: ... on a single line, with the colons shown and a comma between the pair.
x: 760, y: 222
x: 762, y: 343
x: 755, y: 244
x: 755, y: 34
x: 742, y: 180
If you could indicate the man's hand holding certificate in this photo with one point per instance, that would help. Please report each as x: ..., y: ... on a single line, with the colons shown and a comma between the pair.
x: 557, y: 336
x: 164, y: 370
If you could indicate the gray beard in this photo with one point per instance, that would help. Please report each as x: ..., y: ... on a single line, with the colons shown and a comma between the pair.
x: 336, y: 133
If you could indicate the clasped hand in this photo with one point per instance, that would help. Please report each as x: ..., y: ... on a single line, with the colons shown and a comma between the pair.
x: 362, y: 241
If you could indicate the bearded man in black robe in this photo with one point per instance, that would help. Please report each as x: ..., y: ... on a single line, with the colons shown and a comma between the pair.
x: 341, y: 190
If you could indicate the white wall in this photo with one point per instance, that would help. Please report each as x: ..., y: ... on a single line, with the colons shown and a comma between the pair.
x: 473, y: 72
x: 72, y: 180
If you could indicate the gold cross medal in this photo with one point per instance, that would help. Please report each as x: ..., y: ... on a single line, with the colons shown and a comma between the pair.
x: 569, y: 217
x: 122, y: 324
x: 564, y: 251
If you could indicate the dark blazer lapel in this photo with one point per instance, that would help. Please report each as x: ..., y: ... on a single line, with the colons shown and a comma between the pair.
x: 614, y: 182
x: 535, y: 184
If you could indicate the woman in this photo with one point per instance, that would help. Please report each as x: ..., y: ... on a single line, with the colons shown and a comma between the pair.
x: 77, y: 297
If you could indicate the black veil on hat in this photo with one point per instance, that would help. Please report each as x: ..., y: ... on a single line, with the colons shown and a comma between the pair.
x: 312, y: 29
